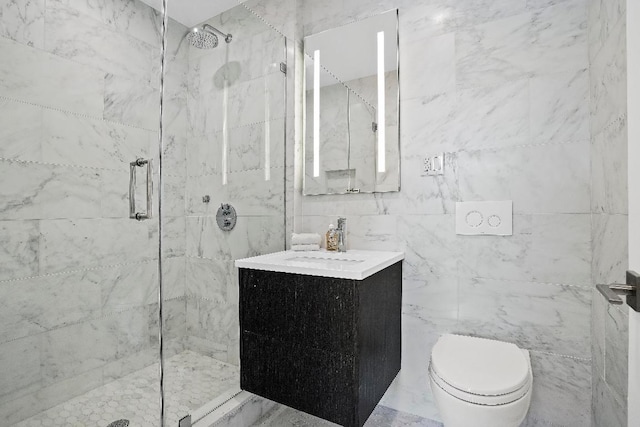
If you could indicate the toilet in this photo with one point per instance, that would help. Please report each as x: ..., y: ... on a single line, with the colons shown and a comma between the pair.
x: 480, y: 382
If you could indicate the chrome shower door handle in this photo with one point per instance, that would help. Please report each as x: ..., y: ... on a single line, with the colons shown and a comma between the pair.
x: 614, y: 291
x: 132, y: 189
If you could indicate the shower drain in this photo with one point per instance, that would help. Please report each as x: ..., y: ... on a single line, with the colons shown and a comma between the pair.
x: 119, y: 423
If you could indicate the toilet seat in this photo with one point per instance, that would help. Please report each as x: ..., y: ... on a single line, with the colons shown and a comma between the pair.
x: 480, y: 371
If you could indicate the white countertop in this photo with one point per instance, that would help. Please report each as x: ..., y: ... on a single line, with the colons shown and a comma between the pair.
x: 354, y: 264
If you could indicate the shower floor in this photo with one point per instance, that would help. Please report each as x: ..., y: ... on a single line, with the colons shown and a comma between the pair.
x: 191, y: 380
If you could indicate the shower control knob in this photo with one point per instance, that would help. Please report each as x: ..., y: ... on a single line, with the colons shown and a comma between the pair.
x: 226, y: 217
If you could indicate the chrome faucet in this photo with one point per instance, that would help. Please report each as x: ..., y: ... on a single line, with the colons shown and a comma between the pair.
x: 342, y: 234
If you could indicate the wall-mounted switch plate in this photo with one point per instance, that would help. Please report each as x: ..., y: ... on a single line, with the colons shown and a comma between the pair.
x: 484, y: 218
x: 433, y: 165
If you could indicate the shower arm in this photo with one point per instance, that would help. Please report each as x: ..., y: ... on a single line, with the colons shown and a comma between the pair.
x: 227, y: 37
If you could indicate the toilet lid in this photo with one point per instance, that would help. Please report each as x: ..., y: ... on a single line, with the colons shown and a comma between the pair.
x: 480, y: 366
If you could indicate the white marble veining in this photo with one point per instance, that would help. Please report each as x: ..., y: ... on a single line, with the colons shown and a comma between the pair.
x: 560, y: 107
x: 546, y: 317
x: 544, y: 248
x: 354, y: 264
x: 19, y: 368
x: 23, y: 21
x: 131, y: 17
x: 92, y: 43
x: 20, y: 131
x: 19, y: 249
x: 90, y: 243
x: 38, y: 77
x: 561, y: 389
x: 609, y: 169
x: 39, y: 304
x: 610, y: 248
x: 514, y: 174
x: 247, y: 191
x: 608, y: 80
x: 608, y: 114
x: 607, y: 408
x: 251, y: 236
x: 69, y: 139
x: 131, y: 102
x: 616, y: 351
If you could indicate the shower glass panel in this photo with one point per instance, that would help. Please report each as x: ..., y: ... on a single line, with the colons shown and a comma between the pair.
x: 79, y: 307
x: 224, y: 143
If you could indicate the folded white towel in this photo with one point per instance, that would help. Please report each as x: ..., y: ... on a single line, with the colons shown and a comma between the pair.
x: 305, y: 239
x: 305, y: 247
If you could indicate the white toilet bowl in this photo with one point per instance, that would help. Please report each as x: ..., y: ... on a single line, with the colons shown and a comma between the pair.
x: 479, y: 382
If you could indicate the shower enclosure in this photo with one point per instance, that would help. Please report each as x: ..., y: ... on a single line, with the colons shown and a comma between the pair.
x: 112, y: 310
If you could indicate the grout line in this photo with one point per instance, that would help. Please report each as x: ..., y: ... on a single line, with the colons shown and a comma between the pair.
x: 520, y: 146
x: 106, y: 315
x: 584, y: 287
x: 246, y: 125
x: 582, y: 359
x: 82, y: 270
x: 35, y: 162
x: 81, y: 115
x: 264, y: 21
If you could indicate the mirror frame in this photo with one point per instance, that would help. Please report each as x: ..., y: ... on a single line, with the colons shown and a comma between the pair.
x: 305, y: 147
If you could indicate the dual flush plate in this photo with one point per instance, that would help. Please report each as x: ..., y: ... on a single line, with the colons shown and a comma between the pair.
x: 484, y: 218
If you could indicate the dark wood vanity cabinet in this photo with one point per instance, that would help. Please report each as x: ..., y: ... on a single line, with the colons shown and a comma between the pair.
x: 329, y: 347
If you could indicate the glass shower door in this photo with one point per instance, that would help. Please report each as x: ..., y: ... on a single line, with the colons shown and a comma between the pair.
x: 79, y: 101
x: 224, y: 144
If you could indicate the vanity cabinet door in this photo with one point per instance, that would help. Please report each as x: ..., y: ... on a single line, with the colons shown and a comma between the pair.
x: 316, y: 312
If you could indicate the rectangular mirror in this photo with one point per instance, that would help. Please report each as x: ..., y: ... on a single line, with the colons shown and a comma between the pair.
x: 352, y: 142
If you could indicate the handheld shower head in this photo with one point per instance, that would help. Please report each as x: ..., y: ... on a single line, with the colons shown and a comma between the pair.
x: 205, y: 37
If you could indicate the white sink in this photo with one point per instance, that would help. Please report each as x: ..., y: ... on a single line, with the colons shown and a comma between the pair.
x: 353, y: 264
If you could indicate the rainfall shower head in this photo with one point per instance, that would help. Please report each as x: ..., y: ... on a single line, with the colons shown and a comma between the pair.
x: 205, y: 37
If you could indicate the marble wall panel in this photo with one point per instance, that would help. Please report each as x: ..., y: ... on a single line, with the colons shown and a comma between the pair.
x: 42, y: 304
x: 561, y: 390
x: 543, y: 248
x: 133, y: 18
x: 514, y: 174
x: 85, y: 243
x: 21, y: 131
x: 38, y: 77
x: 23, y: 21
x: 609, y: 169
x: 545, y: 317
x: 19, y: 249
x: 90, y: 42
x: 20, y: 368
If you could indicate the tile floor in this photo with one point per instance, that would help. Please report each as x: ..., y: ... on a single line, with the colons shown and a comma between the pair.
x: 283, y: 416
x: 191, y: 380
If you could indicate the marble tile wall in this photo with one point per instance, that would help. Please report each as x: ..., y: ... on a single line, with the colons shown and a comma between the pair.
x: 608, y: 112
x: 79, y: 91
x: 503, y: 89
x: 235, y: 153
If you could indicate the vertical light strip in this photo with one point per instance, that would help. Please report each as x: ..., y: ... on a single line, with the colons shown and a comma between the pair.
x: 267, y: 131
x: 381, y: 103
x: 316, y: 113
x: 225, y: 133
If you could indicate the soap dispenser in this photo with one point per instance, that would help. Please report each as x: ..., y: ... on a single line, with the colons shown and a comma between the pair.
x: 332, y: 238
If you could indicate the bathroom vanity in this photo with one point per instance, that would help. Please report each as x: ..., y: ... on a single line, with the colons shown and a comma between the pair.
x: 319, y: 331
